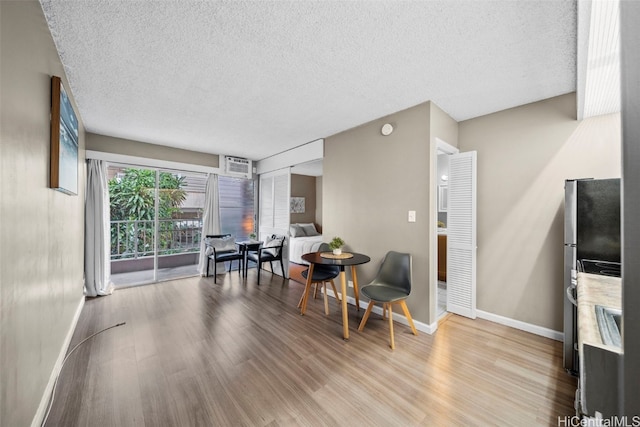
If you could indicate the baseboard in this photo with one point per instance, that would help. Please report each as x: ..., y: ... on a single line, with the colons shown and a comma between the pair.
x: 397, y: 317
x: 44, y: 402
x: 430, y: 329
x: 523, y: 326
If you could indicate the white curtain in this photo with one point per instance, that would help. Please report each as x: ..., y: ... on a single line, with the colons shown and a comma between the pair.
x: 97, y: 269
x: 210, y: 218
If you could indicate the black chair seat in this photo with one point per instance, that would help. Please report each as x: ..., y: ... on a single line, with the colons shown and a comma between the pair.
x: 255, y: 257
x: 321, y: 274
x: 383, y: 293
x: 226, y: 256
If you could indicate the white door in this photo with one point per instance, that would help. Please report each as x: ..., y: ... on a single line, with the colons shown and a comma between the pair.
x: 461, y: 235
x: 275, y: 188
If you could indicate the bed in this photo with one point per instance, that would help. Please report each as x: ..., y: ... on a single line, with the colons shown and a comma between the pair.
x: 303, y: 238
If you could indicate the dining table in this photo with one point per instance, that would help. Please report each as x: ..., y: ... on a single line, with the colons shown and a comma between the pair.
x: 342, y: 260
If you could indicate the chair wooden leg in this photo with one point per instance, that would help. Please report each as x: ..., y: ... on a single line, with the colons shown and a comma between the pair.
x: 302, y: 297
x: 208, y: 261
x: 304, y: 293
x: 326, y: 298
x: 307, y: 288
x: 384, y: 311
x: 315, y: 292
x: 393, y: 346
x: 405, y: 309
x: 335, y: 291
x: 366, y: 316
x: 305, y: 299
x: 284, y: 276
x: 215, y: 271
x: 356, y: 292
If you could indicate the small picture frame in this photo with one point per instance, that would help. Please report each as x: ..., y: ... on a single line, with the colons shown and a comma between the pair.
x: 63, y: 171
x: 297, y: 205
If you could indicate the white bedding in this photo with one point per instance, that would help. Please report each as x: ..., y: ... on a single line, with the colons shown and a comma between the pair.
x: 299, y: 246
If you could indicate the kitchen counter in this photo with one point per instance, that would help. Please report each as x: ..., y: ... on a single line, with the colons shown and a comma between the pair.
x: 595, y: 290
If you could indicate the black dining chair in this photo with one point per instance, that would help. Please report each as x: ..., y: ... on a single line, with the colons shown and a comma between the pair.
x: 391, y: 286
x: 269, y: 252
x: 222, y: 248
x: 320, y: 276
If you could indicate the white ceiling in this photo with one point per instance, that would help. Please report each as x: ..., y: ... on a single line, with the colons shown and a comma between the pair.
x: 255, y: 78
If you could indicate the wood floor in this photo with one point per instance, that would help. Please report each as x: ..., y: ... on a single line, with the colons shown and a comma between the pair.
x: 195, y: 353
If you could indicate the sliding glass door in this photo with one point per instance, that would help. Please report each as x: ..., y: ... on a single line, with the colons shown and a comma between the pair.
x: 156, y: 219
x: 132, y: 223
x: 180, y: 208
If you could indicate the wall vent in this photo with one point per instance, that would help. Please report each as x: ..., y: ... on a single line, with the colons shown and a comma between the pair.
x: 237, y: 166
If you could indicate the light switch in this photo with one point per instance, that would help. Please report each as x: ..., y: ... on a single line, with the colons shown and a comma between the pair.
x: 412, y: 216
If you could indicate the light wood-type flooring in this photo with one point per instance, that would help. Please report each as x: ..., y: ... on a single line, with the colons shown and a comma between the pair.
x: 195, y: 353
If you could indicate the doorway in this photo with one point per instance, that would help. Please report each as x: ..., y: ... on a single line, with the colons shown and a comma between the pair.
x: 455, y: 193
x: 444, y: 150
x: 442, y: 195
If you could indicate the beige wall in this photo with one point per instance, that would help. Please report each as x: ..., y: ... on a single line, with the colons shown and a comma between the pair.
x: 319, y: 201
x: 370, y: 182
x: 108, y: 144
x: 443, y: 126
x: 42, y: 230
x: 304, y: 186
x: 524, y: 156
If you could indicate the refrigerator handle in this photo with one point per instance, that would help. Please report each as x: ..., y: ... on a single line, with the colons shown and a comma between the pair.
x: 570, y: 293
x: 571, y: 289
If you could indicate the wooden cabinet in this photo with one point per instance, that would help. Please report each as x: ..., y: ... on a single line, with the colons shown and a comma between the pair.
x: 442, y: 257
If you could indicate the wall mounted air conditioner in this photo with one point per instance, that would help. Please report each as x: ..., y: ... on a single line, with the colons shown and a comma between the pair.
x: 237, y: 166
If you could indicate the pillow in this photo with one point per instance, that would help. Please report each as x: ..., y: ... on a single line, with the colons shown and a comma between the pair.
x: 296, y: 231
x: 309, y: 229
x: 224, y: 244
x: 272, y: 243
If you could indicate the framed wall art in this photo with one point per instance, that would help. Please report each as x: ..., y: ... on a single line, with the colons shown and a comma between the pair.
x: 63, y: 174
x: 297, y: 205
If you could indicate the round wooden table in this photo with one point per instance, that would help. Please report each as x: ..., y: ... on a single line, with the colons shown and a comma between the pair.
x: 314, y: 258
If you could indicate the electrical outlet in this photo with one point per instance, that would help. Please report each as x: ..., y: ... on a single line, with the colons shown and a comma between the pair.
x: 412, y: 216
x: 350, y: 284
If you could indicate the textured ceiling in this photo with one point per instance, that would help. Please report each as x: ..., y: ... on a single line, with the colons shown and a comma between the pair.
x: 253, y: 79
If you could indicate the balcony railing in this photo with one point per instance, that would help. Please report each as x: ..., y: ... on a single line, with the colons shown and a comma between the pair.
x: 135, y: 239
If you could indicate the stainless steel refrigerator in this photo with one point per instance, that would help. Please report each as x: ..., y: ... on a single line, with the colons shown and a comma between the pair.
x: 591, y: 244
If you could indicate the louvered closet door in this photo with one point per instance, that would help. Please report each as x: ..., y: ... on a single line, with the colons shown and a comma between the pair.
x: 461, y: 235
x: 275, y: 188
x: 266, y: 203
